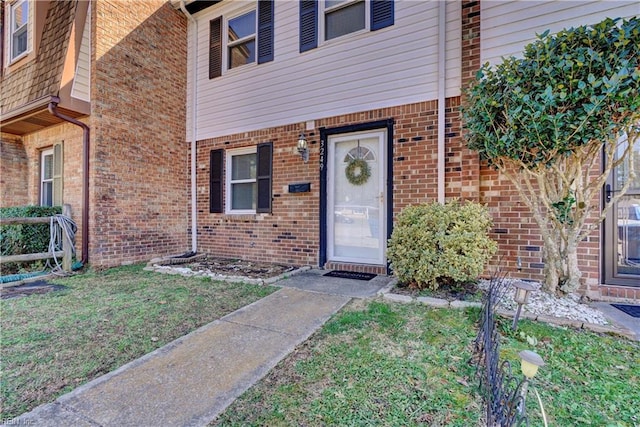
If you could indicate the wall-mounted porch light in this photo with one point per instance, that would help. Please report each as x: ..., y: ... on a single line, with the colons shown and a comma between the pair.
x: 303, y: 148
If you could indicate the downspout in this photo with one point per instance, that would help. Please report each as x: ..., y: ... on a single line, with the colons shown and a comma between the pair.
x: 85, y: 174
x: 194, y: 126
x: 442, y: 57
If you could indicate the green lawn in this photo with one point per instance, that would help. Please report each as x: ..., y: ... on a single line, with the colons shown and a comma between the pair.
x: 374, y: 363
x: 382, y: 364
x: 52, y: 343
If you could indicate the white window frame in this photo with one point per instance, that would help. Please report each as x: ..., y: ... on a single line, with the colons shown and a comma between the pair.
x: 43, y: 180
x: 13, y: 33
x: 225, y: 38
x: 229, y: 182
x: 323, y: 19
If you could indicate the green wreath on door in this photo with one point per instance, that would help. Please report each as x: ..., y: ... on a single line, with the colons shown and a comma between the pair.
x: 358, y: 171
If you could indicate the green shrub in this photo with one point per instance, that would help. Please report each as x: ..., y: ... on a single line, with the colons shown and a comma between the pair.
x: 25, y: 238
x: 434, y: 244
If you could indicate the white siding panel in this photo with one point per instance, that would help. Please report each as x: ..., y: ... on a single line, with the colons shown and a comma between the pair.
x: 507, y: 26
x: 393, y: 66
x: 81, y: 88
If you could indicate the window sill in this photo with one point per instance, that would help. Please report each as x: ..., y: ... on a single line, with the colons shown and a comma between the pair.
x: 18, y: 58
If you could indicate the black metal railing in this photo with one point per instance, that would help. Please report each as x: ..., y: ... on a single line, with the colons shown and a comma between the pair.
x: 503, y: 393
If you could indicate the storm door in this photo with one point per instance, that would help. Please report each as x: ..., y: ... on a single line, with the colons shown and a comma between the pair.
x: 622, y: 228
x: 356, y: 191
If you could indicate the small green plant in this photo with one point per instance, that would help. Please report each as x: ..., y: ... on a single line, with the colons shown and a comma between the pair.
x: 434, y: 244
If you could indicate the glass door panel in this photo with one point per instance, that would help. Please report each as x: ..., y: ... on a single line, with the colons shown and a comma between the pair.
x: 356, y: 199
x: 622, y: 232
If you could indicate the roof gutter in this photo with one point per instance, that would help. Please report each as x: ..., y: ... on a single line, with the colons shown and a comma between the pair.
x: 194, y: 127
x: 36, y: 105
x: 85, y: 173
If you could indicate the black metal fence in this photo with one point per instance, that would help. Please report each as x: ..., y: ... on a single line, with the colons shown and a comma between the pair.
x: 503, y: 392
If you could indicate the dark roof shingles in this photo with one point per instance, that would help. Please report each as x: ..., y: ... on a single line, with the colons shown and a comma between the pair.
x: 42, y: 76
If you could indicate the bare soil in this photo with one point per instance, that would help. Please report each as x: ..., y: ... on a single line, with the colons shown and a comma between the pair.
x: 461, y: 291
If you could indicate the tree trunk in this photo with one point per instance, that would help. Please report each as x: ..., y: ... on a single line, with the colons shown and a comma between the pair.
x: 562, y: 274
x: 572, y: 274
x: 552, y: 267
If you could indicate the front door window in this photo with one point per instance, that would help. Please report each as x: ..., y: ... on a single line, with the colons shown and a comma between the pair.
x: 356, y: 213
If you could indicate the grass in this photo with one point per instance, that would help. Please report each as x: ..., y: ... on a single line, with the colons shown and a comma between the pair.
x: 374, y: 363
x: 55, y: 342
x: 381, y: 364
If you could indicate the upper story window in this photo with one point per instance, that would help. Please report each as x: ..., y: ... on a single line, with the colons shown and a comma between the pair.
x: 241, y: 39
x: 343, y: 17
x: 19, y: 29
x: 337, y: 18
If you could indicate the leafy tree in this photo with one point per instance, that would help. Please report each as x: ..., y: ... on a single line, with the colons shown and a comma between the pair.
x: 546, y: 121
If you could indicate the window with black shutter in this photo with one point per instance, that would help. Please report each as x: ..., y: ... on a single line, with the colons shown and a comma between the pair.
x: 216, y: 170
x: 263, y: 177
x: 265, y: 31
x: 215, y: 48
x: 308, y: 25
x: 246, y: 179
x: 244, y: 38
x: 382, y: 15
x: 341, y: 17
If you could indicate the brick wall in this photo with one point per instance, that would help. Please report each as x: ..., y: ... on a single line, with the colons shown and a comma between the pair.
x: 139, y: 181
x: 21, y: 176
x: 13, y: 171
x: 291, y: 233
x: 71, y: 138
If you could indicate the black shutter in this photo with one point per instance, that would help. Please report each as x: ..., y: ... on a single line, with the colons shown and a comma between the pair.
x: 264, y: 177
x: 381, y: 14
x: 215, y: 48
x: 265, y: 31
x: 216, y: 158
x: 308, y: 25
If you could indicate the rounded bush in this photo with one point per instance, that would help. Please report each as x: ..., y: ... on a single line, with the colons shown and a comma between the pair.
x: 434, y: 244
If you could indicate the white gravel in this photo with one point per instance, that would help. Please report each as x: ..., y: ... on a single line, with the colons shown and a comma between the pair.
x: 541, y: 302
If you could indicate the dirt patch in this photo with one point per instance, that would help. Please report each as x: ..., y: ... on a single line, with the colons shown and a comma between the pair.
x: 461, y: 292
x: 230, y: 267
x: 37, y: 287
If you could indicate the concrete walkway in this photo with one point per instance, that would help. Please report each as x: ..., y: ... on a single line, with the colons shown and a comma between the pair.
x: 193, y: 379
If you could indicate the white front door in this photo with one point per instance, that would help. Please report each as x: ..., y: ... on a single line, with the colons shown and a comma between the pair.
x: 356, y: 215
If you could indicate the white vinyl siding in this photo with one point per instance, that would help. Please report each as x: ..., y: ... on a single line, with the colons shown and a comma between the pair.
x: 507, y: 26
x: 366, y: 70
x: 81, y: 88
